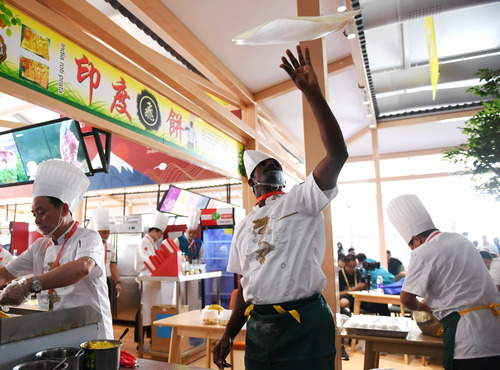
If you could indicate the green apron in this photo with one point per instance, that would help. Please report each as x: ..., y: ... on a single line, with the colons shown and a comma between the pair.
x: 291, y: 335
x: 450, y: 323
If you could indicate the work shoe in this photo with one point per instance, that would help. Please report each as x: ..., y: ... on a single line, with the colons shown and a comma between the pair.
x: 345, y: 356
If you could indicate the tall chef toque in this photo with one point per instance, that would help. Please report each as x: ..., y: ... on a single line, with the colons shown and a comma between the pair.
x: 160, y: 221
x: 251, y: 158
x: 409, y: 216
x: 194, y: 219
x: 61, y: 180
x: 100, y: 218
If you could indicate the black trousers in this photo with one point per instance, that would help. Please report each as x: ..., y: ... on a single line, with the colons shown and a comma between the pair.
x: 145, y: 329
x: 483, y: 363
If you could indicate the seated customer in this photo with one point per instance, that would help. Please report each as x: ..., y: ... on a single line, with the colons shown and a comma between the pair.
x: 368, y: 266
x: 350, y: 281
x: 394, y: 265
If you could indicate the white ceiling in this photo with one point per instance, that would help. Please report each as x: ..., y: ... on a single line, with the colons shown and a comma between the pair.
x: 393, y: 33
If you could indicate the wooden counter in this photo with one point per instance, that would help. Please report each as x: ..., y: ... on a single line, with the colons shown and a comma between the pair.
x: 416, y: 343
x: 190, y: 324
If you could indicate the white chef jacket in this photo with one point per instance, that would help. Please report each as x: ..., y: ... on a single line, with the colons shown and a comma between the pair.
x: 450, y: 274
x: 279, y: 248
x: 110, y: 256
x: 151, y: 290
x: 93, y: 291
x: 5, y: 256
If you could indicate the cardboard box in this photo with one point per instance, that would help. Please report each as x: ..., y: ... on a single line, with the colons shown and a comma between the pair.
x: 160, y: 335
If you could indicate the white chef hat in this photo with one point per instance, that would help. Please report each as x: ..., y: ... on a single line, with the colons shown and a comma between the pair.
x: 409, y: 216
x: 160, y: 221
x: 251, y: 158
x: 100, y: 218
x: 61, y: 180
x: 194, y: 219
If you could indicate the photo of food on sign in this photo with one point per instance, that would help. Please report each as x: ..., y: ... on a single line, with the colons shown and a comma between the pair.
x: 34, y: 71
x: 34, y: 42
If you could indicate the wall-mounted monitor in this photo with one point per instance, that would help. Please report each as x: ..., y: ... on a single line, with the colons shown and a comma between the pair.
x: 23, y: 149
x: 181, y: 202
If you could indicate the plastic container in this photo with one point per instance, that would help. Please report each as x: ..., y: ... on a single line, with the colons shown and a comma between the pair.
x: 210, y: 317
x: 102, y: 358
x: 73, y: 356
x: 380, y: 284
x: 224, y: 316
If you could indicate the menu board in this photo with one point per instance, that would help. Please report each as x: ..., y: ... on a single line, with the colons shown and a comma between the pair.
x: 181, y: 202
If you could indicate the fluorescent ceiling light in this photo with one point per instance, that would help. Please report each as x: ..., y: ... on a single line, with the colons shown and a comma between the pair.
x: 440, y: 86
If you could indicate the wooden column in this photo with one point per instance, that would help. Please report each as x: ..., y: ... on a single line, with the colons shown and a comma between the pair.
x: 380, y: 208
x: 313, y: 154
x: 249, y: 115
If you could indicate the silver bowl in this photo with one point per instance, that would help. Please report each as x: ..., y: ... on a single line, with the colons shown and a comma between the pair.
x: 427, y: 322
x: 73, y: 356
x: 40, y: 365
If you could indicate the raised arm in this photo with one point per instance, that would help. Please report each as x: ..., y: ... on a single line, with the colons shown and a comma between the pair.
x: 302, y: 74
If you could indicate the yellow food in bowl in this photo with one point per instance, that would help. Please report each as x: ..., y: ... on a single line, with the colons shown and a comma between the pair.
x: 3, y: 315
x: 101, y: 344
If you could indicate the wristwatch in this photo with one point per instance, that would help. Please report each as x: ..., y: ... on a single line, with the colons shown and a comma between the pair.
x: 36, y: 285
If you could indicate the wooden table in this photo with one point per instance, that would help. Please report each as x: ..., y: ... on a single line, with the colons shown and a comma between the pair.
x: 416, y: 343
x: 178, y: 280
x: 373, y: 297
x: 190, y: 324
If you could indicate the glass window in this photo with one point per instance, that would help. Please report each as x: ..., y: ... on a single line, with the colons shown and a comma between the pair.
x: 354, y: 219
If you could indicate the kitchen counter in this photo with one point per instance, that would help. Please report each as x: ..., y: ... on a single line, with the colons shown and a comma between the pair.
x: 29, y: 331
x: 160, y: 365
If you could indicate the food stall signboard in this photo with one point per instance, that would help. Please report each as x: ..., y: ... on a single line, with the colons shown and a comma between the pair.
x: 217, y: 216
x: 37, y: 57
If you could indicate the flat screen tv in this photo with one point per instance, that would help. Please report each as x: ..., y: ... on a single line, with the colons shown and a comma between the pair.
x: 23, y: 149
x: 181, y: 202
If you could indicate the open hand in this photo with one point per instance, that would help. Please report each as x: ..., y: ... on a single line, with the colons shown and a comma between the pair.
x: 300, y: 71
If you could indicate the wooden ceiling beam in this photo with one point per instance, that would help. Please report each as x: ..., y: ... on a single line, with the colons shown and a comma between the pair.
x: 287, y: 139
x: 96, y: 23
x: 287, y: 86
x: 414, y: 153
x: 164, y: 23
x: 11, y: 124
x: 357, y: 135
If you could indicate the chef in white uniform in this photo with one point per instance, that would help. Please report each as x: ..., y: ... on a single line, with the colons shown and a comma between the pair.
x: 151, y: 294
x: 447, y: 271
x: 100, y: 219
x: 68, y: 262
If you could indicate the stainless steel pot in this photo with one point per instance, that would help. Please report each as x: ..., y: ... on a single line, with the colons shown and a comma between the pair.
x: 96, y: 358
x: 427, y: 322
x: 73, y: 356
x: 40, y: 365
